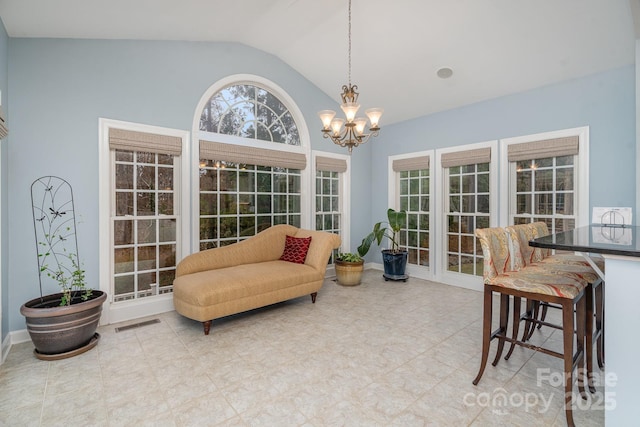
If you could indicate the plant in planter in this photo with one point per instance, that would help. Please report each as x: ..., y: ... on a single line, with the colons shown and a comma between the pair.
x: 394, y: 259
x: 63, y: 324
x: 349, y: 267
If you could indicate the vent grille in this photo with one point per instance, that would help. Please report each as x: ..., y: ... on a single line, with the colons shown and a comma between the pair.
x: 137, y: 325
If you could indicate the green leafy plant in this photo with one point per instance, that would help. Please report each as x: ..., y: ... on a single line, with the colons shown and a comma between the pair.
x: 396, y: 221
x: 348, y: 257
x: 66, y: 272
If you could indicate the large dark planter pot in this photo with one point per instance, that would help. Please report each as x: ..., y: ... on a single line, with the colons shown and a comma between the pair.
x: 58, y: 331
x: 348, y: 273
x: 395, y: 265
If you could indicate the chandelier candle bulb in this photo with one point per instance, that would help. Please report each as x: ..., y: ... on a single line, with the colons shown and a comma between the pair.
x: 360, y: 122
x: 374, y: 115
x: 350, y: 110
x: 336, y: 125
x: 326, y: 116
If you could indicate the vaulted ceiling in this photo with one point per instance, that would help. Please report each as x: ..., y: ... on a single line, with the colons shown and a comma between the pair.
x: 493, y: 47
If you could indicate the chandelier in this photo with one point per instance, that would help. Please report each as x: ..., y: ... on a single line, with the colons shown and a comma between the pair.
x: 350, y: 132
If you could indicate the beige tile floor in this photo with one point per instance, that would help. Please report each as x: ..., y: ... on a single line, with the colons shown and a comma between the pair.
x: 379, y: 354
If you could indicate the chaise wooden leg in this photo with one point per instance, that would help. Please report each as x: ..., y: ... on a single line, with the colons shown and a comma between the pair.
x: 207, y: 326
x: 313, y: 297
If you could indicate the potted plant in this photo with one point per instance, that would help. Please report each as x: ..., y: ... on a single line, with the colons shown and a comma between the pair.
x: 349, y: 267
x: 63, y: 324
x: 394, y: 259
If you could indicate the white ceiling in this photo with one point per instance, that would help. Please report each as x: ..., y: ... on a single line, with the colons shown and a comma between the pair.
x: 495, y: 47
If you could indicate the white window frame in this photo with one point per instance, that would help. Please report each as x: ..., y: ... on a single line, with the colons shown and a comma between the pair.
x: 345, y: 197
x: 422, y: 272
x: 132, y: 309
x: 442, y: 274
x: 581, y: 168
x: 307, y: 175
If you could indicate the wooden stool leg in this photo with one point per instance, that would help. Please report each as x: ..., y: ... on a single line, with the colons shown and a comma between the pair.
x: 567, y: 334
x: 504, y: 322
x: 581, y: 321
x: 589, y: 335
x: 543, y: 316
x: 599, y: 302
x: 516, y: 325
x: 535, y: 313
x: 486, y: 332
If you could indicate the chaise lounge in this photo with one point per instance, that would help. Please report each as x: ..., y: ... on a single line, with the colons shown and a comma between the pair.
x: 251, y: 274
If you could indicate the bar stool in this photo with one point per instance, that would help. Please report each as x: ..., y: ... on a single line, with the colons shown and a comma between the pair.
x: 564, y: 289
x: 520, y: 236
x: 595, y: 296
x: 524, y: 255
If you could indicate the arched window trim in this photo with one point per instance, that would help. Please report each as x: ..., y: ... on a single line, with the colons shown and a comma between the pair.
x: 261, y: 82
x: 197, y: 135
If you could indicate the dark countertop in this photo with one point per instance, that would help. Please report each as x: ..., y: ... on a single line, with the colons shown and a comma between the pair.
x: 595, y: 239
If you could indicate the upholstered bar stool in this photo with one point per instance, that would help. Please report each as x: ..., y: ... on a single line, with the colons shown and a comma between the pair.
x: 566, y: 290
x: 568, y: 263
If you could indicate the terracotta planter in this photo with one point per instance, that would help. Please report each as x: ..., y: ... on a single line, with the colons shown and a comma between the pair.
x: 58, y: 331
x: 348, y: 273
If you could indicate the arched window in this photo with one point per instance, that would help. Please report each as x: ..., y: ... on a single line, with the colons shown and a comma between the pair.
x: 249, y: 111
x: 253, y: 161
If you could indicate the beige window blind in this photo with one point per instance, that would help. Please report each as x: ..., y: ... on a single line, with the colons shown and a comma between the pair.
x: 567, y: 146
x: 410, y: 164
x: 330, y: 164
x: 467, y: 157
x: 121, y: 139
x: 251, y: 155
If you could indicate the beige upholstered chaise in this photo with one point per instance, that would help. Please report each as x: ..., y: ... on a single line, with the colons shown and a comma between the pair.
x: 219, y: 282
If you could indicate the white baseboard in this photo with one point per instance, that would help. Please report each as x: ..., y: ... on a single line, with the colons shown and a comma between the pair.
x: 135, y: 309
x: 6, y: 346
x: 19, y: 336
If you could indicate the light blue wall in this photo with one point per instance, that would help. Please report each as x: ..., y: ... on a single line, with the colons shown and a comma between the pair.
x: 59, y: 89
x: 4, y: 193
x: 605, y: 102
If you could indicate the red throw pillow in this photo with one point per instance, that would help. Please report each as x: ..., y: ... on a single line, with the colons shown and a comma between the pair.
x: 295, y: 249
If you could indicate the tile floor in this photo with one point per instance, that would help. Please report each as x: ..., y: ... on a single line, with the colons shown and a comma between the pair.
x: 378, y: 354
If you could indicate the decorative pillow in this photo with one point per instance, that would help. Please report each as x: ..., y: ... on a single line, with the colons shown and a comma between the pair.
x: 295, y: 249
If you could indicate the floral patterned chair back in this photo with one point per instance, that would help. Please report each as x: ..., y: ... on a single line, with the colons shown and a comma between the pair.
x: 519, y: 236
x: 495, y: 250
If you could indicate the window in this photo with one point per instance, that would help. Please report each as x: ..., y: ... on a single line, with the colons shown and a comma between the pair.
x: 145, y: 216
x: 543, y: 180
x: 239, y: 200
x: 467, y: 205
x: 141, y: 208
x: 329, y: 207
x: 249, y: 111
x: 252, y: 166
x: 468, y: 208
x: 414, y: 196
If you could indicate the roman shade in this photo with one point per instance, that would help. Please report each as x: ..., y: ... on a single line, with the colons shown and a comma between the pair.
x: 410, y: 164
x: 467, y: 157
x: 566, y: 146
x: 121, y: 139
x: 330, y: 164
x: 251, y: 155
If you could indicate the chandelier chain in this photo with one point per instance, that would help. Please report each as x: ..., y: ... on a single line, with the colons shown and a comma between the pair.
x: 349, y: 43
